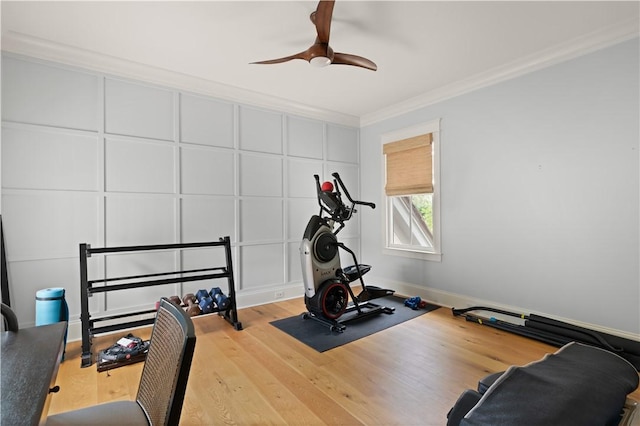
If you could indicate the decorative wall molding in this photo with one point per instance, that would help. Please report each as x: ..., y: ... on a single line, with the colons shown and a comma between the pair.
x: 34, y: 47
x: 140, y: 163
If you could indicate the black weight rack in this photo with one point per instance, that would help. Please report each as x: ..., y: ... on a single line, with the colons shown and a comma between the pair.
x: 87, y: 288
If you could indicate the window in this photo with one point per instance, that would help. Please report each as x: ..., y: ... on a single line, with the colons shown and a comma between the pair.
x: 412, y: 191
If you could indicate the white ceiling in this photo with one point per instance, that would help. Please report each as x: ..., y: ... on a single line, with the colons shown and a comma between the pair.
x: 423, y: 49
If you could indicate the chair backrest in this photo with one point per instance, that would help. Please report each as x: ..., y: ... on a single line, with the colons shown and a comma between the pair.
x: 9, y: 319
x: 166, y: 369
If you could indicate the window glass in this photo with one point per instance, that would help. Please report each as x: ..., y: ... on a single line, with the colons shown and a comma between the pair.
x: 412, y: 220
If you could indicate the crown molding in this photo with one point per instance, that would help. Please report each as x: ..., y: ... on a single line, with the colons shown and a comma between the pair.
x: 583, y: 45
x: 22, y: 44
x: 46, y: 50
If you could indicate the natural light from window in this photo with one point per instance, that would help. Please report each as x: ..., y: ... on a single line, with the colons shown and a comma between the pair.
x: 412, y: 190
x: 412, y: 218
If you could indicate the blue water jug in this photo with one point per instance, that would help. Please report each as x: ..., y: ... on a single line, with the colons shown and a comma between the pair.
x: 51, y: 307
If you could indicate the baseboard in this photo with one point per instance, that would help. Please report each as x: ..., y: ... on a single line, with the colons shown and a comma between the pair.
x: 454, y: 300
x: 257, y: 297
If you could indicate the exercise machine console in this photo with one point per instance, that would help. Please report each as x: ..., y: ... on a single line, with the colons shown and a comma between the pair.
x: 327, y: 286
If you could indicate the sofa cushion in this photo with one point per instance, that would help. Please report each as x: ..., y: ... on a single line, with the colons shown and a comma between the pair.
x: 467, y: 400
x: 579, y: 384
x: 487, y: 381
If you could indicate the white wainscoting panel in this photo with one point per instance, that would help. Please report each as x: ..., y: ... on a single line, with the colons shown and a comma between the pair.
x: 208, y: 219
x: 137, y: 220
x: 39, y: 159
x: 305, y: 137
x: 207, y: 171
x: 261, y: 265
x: 260, y: 175
x: 139, y: 166
x: 48, y: 225
x: 261, y: 219
x: 138, y: 110
x: 206, y: 121
x: 54, y: 96
x: 260, y: 130
x: 109, y: 161
x: 342, y: 144
x: 300, y: 181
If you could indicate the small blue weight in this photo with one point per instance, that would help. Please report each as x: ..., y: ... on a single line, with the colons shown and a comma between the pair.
x: 201, y: 294
x: 219, y: 297
x: 207, y: 305
x: 222, y: 301
x: 413, y: 302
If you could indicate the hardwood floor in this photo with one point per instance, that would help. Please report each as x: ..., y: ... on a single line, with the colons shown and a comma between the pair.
x: 410, y: 374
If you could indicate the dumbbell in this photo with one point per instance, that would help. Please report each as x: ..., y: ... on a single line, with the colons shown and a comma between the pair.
x: 176, y: 300
x: 206, y: 302
x: 193, y: 309
x: 220, y: 298
x: 413, y: 302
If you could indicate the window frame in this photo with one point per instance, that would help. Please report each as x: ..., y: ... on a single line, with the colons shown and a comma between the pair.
x: 427, y: 253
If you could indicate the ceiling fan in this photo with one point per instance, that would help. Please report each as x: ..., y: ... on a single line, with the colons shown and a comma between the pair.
x: 320, y: 54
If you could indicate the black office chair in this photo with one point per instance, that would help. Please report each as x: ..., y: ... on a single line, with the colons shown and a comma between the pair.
x: 163, y: 382
x: 10, y: 321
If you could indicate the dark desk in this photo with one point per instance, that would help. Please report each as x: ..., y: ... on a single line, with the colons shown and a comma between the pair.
x: 30, y: 360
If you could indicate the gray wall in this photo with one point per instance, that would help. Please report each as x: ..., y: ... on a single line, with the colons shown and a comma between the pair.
x: 540, y: 193
x: 91, y: 158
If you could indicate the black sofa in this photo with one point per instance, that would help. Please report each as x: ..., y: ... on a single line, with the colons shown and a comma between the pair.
x: 578, y: 385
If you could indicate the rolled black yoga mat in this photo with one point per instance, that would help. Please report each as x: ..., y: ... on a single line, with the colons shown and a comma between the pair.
x: 557, y: 333
x: 626, y: 348
x: 589, y: 336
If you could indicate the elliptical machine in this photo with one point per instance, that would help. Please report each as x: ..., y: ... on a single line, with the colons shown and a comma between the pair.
x: 326, y: 284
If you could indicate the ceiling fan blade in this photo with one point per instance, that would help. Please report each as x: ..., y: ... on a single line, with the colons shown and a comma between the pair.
x: 302, y: 55
x: 322, y: 19
x: 358, y: 61
x: 320, y: 53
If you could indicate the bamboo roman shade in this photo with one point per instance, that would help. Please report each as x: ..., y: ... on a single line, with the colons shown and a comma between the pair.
x: 409, y: 166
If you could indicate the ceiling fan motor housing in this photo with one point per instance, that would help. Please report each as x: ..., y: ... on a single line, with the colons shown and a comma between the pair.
x: 320, y: 54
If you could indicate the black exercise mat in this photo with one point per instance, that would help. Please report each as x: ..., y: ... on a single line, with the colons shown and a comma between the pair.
x: 321, y: 338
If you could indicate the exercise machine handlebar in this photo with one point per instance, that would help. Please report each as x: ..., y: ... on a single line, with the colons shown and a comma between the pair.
x: 330, y: 200
x: 337, y: 178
